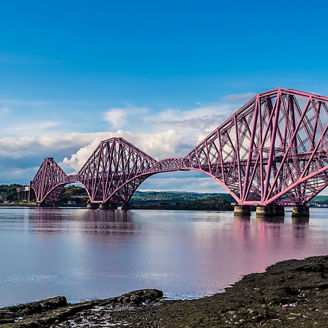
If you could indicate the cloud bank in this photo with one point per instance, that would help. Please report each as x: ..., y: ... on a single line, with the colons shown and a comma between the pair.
x: 171, y: 132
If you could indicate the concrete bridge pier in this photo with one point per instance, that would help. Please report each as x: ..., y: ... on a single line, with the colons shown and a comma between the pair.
x: 104, y: 206
x: 300, y: 211
x: 91, y: 206
x: 107, y: 206
x: 125, y: 206
x: 242, y: 210
x: 270, y: 211
x: 300, y: 220
x: 48, y: 204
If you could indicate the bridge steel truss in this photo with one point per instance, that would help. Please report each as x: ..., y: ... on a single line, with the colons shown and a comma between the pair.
x: 273, y: 150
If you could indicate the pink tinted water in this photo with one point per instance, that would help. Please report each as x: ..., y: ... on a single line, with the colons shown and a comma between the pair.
x: 85, y: 254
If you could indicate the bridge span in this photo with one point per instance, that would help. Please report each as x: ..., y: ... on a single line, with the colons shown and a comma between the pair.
x: 272, y: 151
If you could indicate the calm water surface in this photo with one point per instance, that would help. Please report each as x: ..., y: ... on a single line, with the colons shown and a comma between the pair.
x: 85, y: 254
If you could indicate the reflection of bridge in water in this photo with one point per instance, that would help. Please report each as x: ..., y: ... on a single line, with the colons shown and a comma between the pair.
x: 54, y: 220
x: 270, y: 153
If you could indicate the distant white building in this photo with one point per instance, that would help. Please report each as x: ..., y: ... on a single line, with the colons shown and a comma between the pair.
x: 23, y: 194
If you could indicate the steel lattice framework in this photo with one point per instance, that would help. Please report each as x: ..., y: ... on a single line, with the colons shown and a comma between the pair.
x: 112, y: 173
x: 48, y: 181
x: 271, y: 151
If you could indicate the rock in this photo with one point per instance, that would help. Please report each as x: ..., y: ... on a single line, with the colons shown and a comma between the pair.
x: 138, y: 296
x: 136, y: 299
x: 11, y: 313
x: 126, y: 300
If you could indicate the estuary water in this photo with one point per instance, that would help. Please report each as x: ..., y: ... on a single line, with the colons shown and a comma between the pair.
x: 86, y: 254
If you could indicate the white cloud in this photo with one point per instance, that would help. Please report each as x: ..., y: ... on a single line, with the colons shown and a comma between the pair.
x: 116, y: 117
x: 168, y: 133
x: 201, y: 120
x: 30, y: 128
x: 119, y: 117
x: 45, y: 145
x: 10, y: 175
x: 239, y: 97
x: 158, y: 145
x: 171, y: 133
x: 181, y: 181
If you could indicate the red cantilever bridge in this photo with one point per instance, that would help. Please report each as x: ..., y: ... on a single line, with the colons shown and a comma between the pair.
x: 273, y: 150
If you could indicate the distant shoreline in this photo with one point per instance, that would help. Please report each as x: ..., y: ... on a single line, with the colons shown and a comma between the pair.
x: 130, y: 207
x: 135, y: 207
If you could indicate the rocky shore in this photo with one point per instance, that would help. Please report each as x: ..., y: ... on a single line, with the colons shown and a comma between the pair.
x: 292, y: 293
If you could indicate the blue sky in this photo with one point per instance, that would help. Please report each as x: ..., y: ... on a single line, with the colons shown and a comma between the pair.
x: 160, y: 73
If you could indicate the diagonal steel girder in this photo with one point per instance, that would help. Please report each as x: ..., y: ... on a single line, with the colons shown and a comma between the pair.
x: 273, y: 150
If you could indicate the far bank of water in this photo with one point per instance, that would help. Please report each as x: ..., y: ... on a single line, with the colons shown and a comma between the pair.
x: 86, y: 254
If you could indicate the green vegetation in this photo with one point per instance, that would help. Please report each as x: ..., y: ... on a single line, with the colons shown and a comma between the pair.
x: 73, y: 195
x: 181, y: 200
x: 77, y: 196
x: 322, y: 200
x: 175, y: 196
x: 9, y: 192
